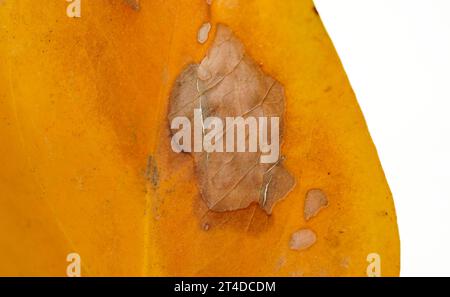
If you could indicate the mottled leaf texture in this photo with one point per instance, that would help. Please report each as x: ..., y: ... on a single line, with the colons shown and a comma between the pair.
x: 228, y: 83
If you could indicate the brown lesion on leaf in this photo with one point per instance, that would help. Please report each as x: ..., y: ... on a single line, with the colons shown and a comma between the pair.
x: 203, y: 32
x: 134, y: 4
x: 315, y: 200
x: 302, y: 239
x: 228, y: 83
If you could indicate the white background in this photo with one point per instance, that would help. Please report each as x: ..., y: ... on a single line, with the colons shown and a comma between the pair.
x: 397, y: 56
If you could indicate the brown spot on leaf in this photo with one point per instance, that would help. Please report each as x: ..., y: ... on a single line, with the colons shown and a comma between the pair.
x: 228, y: 83
x: 302, y: 239
x: 315, y: 200
x: 134, y: 4
x: 203, y: 32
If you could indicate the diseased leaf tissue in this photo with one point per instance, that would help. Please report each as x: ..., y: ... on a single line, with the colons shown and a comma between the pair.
x: 228, y: 83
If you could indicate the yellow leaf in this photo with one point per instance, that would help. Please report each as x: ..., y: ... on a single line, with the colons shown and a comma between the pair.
x: 87, y: 166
